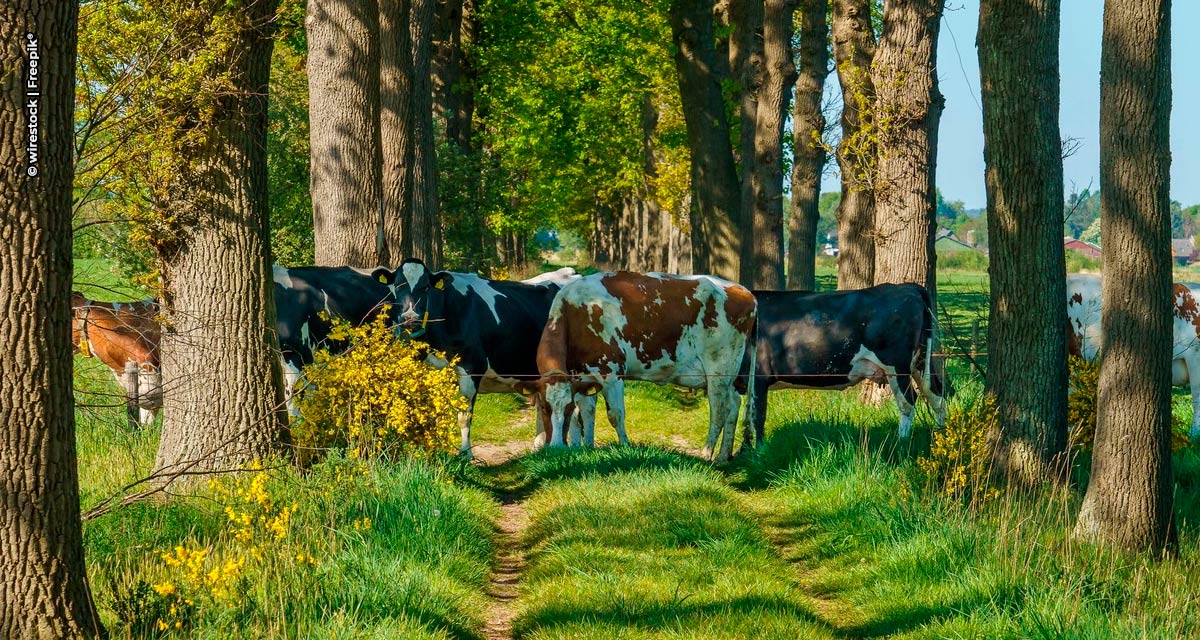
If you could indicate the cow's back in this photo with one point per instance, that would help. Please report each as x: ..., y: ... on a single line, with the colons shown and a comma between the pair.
x: 117, y: 332
x: 659, y: 326
x: 809, y: 339
x: 498, y: 321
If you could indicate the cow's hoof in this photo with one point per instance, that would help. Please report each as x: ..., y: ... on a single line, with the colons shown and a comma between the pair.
x: 706, y: 453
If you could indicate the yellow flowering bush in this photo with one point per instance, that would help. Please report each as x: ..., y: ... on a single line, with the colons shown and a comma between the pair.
x: 959, y: 460
x: 258, y: 523
x: 254, y: 514
x: 379, y: 396
x: 1084, y: 382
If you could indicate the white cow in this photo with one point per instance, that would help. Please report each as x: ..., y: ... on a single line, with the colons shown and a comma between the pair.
x: 1083, y: 316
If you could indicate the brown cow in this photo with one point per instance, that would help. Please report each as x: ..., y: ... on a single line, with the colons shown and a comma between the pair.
x: 124, y: 336
x: 688, y: 330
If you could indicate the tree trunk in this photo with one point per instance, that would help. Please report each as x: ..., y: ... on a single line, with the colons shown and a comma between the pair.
x: 808, y: 153
x: 908, y: 107
x: 451, y: 93
x: 396, y: 125
x: 774, y: 93
x: 344, y: 88
x: 715, y: 217
x: 1129, y: 499
x: 426, y: 230
x: 747, y: 66
x: 219, y: 349
x: 43, y: 581
x: 1027, y: 373
x: 853, y: 51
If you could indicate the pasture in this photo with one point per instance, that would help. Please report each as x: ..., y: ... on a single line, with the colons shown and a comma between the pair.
x: 830, y: 530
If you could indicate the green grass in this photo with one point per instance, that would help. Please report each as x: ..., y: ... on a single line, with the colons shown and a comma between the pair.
x: 645, y: 544
x: 827, y: 531
x: 419, y: 571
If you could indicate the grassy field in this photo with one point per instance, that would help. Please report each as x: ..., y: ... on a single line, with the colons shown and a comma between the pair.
x: 831, y: 529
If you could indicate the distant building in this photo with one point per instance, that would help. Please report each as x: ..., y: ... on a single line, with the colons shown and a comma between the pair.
x: 1183, y: 250
x: 1086, y: 248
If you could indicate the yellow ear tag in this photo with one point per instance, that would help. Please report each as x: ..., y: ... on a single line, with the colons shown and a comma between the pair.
x: 592, y: 391
x: 439, y: 284
x: 383, y: 279
x: 85, y: 348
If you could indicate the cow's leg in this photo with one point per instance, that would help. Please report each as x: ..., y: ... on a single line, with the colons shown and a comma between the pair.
x: 466, y: 384
x: 585, y: 406
x: 558, y: 396
x: 150, y: 394
x: 717, y: 408
x: 732, y: 406
x: 902, y: 390
x: 759, y: 410
x: 291, y: 378
x: 614, y: 404
x: 1193, y: 366
x: 921, y: 378
x: 575, y: 428
x: 541, y: 421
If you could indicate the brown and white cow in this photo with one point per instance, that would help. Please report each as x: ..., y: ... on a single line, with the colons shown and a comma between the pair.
x: 125, y: 337
x: 609, y: 327
x: 1085, y: 339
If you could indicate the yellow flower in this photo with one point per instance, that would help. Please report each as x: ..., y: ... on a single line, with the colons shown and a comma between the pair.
x: 164, y: 589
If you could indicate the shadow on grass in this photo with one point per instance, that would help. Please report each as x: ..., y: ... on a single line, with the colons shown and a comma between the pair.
x: 793, y: 442
x: 656, y: 616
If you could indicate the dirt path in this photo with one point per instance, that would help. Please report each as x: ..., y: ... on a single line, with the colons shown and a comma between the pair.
x: 510, y: 564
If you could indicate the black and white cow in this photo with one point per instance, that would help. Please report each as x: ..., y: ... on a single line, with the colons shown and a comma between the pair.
x: 302, y: 294
x: 837, y: 339
x: 491, y: 326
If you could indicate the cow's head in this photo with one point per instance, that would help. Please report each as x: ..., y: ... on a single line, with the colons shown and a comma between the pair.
x: 419, y: 293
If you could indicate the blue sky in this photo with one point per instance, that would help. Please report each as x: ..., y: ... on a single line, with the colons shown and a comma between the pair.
x: 960, y: 151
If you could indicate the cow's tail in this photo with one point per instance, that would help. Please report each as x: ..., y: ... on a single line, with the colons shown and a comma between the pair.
x: 748, y: 369
x: 933, y: 384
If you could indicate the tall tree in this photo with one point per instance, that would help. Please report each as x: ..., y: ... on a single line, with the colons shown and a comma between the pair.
x: 219, y: 351
x: 908, y: 107
x: 775, y: 89
x: 343, y: 94
x: 1129, y: 498
x: 396, y: 129
x: 808, y: 153
x: 453, y: 95
x: 715, y: 215
x: 43, y: 580
x: 748, y: 74
x: 426, y: 227
x: 1027, y: 372
x: 853, y: 51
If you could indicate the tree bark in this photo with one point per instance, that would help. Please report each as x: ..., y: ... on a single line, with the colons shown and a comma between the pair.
x: 220, y: 354
x: 908, y: 107
x: 715, y: 216
x: 344, y: 91
x: 746, y: 63
x: 808, y: 153
x: 1027, y: 372
x: 1129, y: 499
x: 778, y: 76
x: 452, y: 95
x: 853, y: 51
x: 426, y: 230
x: 396, y: 124
x: 43, y: 581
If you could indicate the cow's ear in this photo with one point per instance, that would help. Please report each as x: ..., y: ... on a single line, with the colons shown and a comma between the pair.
x: 383, y: 275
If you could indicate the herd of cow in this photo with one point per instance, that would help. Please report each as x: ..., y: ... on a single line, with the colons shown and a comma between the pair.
x: 564, y: 338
